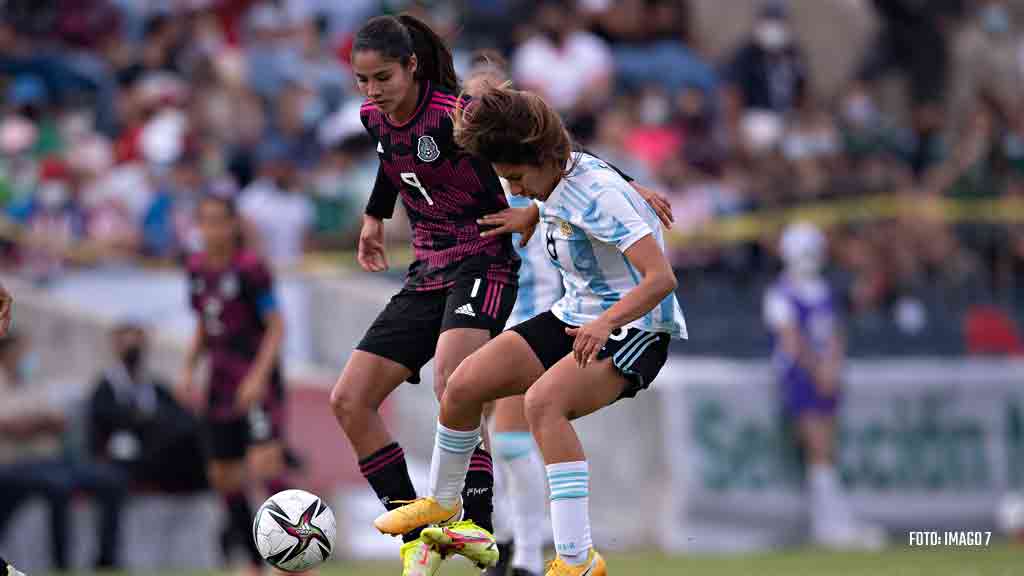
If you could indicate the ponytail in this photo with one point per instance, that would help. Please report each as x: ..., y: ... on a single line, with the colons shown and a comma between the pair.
x: 434, y: 56
x: 400, y: 37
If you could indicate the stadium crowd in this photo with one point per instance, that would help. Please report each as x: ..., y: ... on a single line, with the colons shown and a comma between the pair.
x: 118, y: 114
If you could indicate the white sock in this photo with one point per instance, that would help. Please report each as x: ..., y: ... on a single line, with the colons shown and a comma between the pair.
x: 450, y: 463
x: 828, y: 504
x: 570, y: 517
x: 502, y: 516
x: 524, y: 496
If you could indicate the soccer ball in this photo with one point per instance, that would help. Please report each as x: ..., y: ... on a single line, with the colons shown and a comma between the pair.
x: 294, y: 531
x: 1010, y: 515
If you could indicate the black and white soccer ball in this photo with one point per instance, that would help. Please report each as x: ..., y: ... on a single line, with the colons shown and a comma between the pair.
x: 294, y: 531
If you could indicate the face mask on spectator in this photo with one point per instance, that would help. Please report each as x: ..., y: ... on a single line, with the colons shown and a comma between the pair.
x: 53, y: 195
x: 131, y: 357
x: 772, y: 34
x: 860, y: 111
x: 654, y: 109
x: 995, y: 19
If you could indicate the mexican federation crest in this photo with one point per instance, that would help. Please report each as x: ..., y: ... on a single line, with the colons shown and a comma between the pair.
x: 427, y: 150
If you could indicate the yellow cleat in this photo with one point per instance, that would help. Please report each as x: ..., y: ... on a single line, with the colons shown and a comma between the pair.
x: 416, y: 514
x: 594, y: 566
x: 464, y: 538
x: 420, y: 559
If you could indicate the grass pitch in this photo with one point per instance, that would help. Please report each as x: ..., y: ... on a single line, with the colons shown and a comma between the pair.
x: 995, y: 560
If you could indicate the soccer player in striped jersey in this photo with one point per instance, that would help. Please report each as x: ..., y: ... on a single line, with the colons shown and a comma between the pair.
x: 459, y: 290
x: 605, y: 339
x: 519, y: 479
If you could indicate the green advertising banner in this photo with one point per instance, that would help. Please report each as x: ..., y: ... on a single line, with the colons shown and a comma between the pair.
x: 923, y: 444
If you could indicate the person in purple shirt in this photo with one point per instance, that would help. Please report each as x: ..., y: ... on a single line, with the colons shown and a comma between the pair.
x: 800, y: 312
x: 240, y: 331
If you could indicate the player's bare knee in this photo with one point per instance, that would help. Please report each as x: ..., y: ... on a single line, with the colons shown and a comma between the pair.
x: 462, y: 392
x: 348, y: 407
x: 541, y: 407
x: 265, y: 461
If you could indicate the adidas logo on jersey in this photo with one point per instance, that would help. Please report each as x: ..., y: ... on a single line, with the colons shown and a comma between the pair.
x: 466, y: 310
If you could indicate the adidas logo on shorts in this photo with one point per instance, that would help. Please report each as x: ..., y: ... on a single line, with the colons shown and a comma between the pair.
x: 466, y: 310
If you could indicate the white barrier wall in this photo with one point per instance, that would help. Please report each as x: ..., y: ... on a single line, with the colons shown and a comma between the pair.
x: 697, y: 463
x: 926, y: 444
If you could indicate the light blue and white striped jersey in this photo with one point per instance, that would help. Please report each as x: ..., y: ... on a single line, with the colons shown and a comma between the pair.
x: 540, y: 284
x: 590, y: 220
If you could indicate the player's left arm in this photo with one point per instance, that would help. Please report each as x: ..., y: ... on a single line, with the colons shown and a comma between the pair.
x: 255, y: 384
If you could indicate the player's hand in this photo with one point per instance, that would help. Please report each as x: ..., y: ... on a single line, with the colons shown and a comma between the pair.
x: 590, y: 338
x: 251, y: 392
x: 512, y: 220
x: 826, y: 380
x: 6, y: 310
x: 371, y: 254
x: 660, y: 204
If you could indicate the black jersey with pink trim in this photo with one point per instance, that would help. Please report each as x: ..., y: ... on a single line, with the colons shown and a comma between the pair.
x: 444, y: 190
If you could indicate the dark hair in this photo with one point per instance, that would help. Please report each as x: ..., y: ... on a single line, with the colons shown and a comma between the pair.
x: 506, y: 126
x: 231, y: 207
x: 402, y: 36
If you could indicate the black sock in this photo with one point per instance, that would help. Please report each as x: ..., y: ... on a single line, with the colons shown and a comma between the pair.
x: 478, y: 495
x: 388, y: 475
x: 240, y: 517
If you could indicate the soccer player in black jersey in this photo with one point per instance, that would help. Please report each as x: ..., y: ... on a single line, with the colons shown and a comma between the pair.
x: 461, y: 287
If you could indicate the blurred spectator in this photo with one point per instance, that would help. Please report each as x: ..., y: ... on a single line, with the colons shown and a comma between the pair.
x: 767, y: 76
x: 168, y: 227
x: 652, y: 44
x: 54, y: 222
x: 136, y: 425
x: 913, y: 40
x: 276, y: 207
x: 273, y: 41
x: 571, y: 68
x: 319, y: 68
x: 342, y: 182
x: 986, y: 64
x: 32, y: 418
x: 800, y: 311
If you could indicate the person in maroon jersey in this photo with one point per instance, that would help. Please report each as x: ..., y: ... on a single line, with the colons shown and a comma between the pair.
x: 461, y: 287
x: 240, y: 330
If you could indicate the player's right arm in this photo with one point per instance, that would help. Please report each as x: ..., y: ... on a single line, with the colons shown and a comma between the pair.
x: 781, y: 318
x: 830, y: 369
x: 371, y: 254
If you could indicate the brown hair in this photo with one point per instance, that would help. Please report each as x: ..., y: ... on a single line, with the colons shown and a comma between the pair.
x: 506, y: 126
